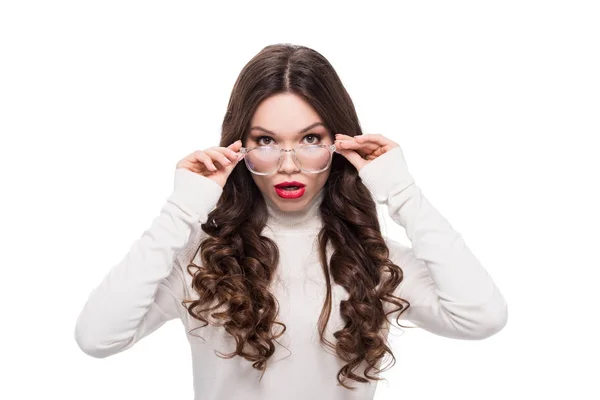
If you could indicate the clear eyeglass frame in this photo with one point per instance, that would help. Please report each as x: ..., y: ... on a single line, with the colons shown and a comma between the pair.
x: 330, y: 147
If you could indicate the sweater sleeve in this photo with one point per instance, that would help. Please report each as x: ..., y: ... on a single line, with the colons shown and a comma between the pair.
x: 141, y: 292
x: 450, y: 292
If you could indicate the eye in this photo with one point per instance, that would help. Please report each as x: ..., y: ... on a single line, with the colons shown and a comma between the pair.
x: 314, y: 135
x: 258, y: 139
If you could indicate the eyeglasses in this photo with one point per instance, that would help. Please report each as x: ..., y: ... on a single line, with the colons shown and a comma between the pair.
x: 266, y: 160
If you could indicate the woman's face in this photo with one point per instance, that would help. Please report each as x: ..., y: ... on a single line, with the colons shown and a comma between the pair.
x: 286, y: 115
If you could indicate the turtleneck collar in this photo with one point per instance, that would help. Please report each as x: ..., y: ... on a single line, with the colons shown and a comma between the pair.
x: 307, y: 219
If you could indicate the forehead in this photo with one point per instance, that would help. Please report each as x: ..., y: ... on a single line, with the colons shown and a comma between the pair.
x: 285, y: 114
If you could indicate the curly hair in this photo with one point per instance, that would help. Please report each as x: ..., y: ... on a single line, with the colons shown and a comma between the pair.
x: 238, y: 263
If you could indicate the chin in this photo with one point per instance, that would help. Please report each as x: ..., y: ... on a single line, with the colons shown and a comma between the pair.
x: 289, y: 204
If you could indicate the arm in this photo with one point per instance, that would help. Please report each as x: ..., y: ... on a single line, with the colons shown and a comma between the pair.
x: 141, y: 292
x: 450, y: 292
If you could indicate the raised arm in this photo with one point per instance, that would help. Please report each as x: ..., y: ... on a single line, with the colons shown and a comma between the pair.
x: 450, y: 292
x: 140, y: 293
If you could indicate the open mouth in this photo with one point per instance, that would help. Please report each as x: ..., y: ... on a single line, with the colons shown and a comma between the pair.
x: 290, y: 190
x: 290, y: 185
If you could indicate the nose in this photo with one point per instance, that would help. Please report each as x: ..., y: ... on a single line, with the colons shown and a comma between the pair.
x: 288, y: 165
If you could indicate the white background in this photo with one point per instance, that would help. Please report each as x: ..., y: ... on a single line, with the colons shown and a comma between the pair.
x: 495, y: 104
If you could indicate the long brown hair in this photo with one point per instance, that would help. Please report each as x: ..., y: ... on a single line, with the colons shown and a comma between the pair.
x: 238, y: 263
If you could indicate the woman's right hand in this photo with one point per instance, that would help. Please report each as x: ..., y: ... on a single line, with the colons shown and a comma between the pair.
x: 215, y: 163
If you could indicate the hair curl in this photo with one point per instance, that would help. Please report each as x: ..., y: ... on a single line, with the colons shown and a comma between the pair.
x: 238, y: 263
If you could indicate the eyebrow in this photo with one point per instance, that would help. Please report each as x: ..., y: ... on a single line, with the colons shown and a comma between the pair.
x: 260, y: 128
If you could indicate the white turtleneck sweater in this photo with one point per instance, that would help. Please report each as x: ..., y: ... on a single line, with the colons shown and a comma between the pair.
x: 450, y: 292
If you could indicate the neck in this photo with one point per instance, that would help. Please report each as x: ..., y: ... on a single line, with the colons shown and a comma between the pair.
x: 306, y: 219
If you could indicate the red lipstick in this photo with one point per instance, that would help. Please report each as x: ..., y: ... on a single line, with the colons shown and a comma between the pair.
x: 290, y: 189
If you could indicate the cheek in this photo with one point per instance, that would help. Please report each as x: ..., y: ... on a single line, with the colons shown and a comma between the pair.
x: 320, y: 180
x: 261, y: 182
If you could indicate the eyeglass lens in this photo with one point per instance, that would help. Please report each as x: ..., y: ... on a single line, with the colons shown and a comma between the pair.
x: 265, y: 159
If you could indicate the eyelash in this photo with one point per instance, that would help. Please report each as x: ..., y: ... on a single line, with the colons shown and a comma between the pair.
x: 319, y: 137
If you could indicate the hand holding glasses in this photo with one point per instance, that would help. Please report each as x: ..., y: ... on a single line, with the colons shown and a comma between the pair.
x: 215, y: 163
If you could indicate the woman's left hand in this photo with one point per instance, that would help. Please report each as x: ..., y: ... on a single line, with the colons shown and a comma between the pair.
x: 362, y: 149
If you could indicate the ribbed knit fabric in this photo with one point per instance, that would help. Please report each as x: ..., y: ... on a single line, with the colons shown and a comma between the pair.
x: 305, y: 220
x: 450, y: 292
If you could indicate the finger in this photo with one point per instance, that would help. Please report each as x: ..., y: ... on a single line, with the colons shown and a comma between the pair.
x: 354, y: 158
x: 381, y: 150
x: 235, y: 146
x: 193, y: 164
x: 205, y: 159
x: 382, y: 143
x: 217, y: 156
x: 343, y: 137
x: 355, y: 144
x: 228, y: 152
x: 188, y: 165
x: 374, y: 138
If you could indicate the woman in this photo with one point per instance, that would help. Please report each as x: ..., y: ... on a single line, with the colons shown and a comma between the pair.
x: 291, y: 290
